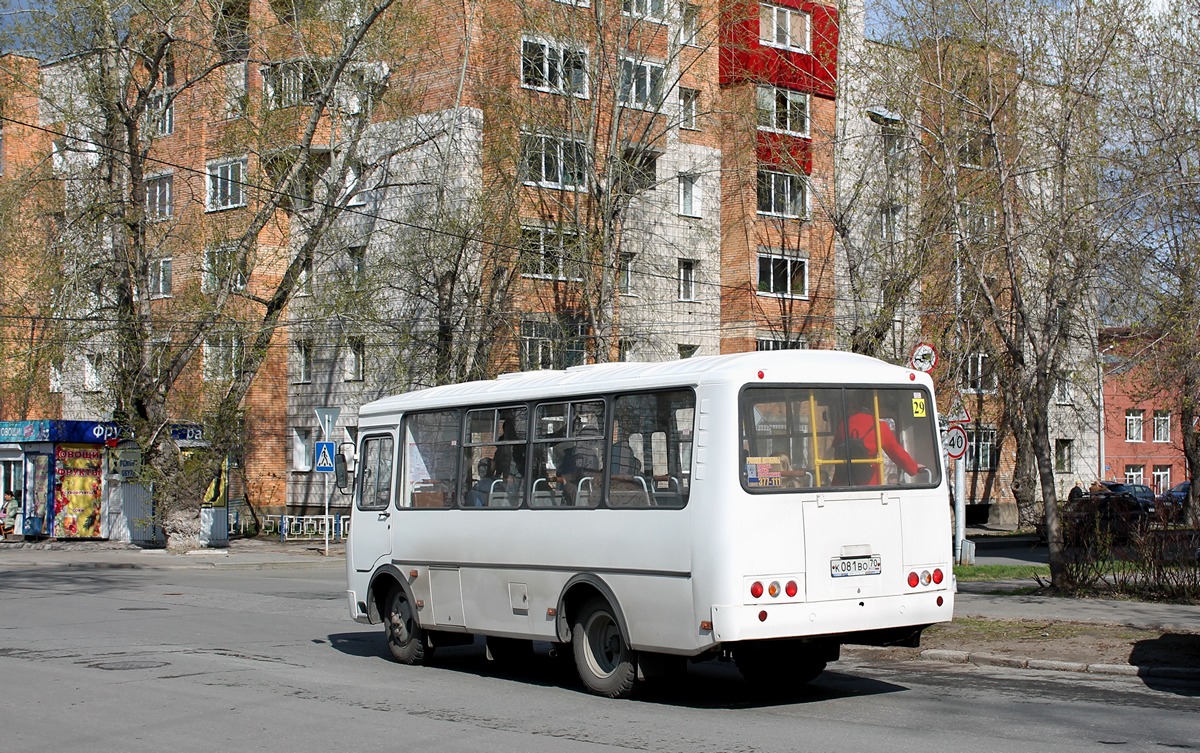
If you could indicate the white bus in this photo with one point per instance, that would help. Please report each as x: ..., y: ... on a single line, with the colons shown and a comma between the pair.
x: 638, y: 515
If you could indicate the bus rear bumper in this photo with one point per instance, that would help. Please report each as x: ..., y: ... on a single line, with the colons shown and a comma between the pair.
x: 747, y: 622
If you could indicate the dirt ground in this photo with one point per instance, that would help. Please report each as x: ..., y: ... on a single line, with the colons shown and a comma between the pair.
x: 1062, y: 641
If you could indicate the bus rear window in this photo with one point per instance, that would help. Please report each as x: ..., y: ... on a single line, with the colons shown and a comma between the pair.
x: 838, y: 438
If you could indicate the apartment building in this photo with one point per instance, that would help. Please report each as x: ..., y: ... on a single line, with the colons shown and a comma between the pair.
x: 573, y: 188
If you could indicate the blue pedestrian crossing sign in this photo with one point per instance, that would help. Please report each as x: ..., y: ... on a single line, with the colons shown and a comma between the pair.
x: 324, y: 462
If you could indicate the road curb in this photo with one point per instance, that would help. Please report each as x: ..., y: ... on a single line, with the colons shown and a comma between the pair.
x: 983, y: 659
x: 987, y: 659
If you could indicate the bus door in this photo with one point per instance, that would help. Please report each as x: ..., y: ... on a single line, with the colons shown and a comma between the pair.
x: 374, y: 489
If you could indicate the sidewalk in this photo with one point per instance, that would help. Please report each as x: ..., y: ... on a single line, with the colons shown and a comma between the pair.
x: 250, y: 554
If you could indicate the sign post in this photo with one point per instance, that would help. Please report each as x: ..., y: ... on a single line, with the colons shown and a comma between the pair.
x: 324, y: 450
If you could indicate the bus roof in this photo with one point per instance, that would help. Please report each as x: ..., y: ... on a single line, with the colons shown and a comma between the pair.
x: 812, y: 366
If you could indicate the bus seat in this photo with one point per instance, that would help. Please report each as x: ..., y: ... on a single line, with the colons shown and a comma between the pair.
x: 544, y: 495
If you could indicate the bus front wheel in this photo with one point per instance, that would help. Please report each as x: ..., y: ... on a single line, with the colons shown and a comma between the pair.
x: 605, y: 663
x: 405, y: 638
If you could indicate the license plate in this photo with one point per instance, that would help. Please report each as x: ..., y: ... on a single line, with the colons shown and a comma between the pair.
x: 846, y: 567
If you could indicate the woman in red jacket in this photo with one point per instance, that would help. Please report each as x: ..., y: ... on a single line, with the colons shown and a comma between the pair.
x: 864, y: 431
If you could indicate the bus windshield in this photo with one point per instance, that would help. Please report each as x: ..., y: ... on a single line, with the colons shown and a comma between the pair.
x: 800, y: 437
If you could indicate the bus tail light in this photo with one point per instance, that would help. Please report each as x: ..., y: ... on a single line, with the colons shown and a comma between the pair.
x: 791, y: 588
x: 756, y: 590
x: 914, y: 580
x: 938, y: 576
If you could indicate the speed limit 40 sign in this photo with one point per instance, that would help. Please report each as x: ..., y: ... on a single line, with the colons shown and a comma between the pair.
x: 955, y: 441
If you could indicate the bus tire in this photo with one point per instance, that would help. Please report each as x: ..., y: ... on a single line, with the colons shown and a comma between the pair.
x: 603, y: 659
x: 405, y: 638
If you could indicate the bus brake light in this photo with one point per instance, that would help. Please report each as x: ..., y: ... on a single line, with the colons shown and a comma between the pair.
x: 791, y: 588
x: 913, y: 580
x: 756, y: 590
x: 937, y: 575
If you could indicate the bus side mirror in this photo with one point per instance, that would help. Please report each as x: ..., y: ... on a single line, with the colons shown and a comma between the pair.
x: 341, y: 476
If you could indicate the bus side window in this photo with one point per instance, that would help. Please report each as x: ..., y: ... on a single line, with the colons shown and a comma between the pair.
x: 431, y: 444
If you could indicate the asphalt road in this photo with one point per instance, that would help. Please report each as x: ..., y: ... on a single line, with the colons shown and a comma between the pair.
x: 119, y: 659
x: 1009, y: 550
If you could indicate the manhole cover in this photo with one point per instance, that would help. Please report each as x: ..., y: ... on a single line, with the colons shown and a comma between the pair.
x: 131, y: 664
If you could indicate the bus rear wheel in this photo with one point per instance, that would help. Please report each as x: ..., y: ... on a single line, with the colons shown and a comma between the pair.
x: 405, y: 638
x: 603, y: 659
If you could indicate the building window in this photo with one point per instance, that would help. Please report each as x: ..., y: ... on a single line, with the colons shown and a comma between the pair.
x: 689, y: 195
x: 1133, y: 425
x: 1063, y: 391
x: 553, y: 161
x: 549, y: 252
x: 771, y: 343
x: 1162, y: 478
x: 689, y: 24
x: 625, y: 274
x: 687, y: 280
x: 639, y: 171
x: 222, y: 267
x: 92, y: 364
x: 1135, y: 474
x: 305, y: 278
x: 982, y: 452
x: 56, y: 378
x: 551, y: 67
x: 687, y: 350
x: 783, y: 110
x: 641, y: 84
x: 302, y: 449
x: 1162, y: 426
x: 782, y: 27
x: 891, y: 224
x: 781, y: 194
x: 160, y: 114
x: 356, y: 351
x: 1062, y: 455
x: 979, y: 375
x: 222, y: 357
x: 295, y: 82
x: 552, y: 344
x: 356, y: 269
x: 304, y: 361
x: 225, y: 184
x: 689, y: 107
x: 782, y: 275
x: 160, y: 278
x: 653, y: 9
x: 158, y: 197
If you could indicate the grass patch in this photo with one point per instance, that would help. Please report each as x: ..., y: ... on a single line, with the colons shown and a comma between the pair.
x: 977, y: 573
x: 992, y: 631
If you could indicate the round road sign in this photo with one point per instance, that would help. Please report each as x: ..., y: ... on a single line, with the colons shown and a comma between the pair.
x: 955, y: 441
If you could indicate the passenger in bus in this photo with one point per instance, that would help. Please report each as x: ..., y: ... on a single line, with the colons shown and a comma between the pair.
x: 579, y: 464
x: 489, y: 481
x: 863, y: 444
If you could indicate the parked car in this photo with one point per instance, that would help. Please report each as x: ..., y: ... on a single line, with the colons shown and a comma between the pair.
x: 1142, y: 494
x: 1173, y: 502
x: 1116, y: 510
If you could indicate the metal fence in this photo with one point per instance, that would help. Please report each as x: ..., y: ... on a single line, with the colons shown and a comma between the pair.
x: 306, y: 527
